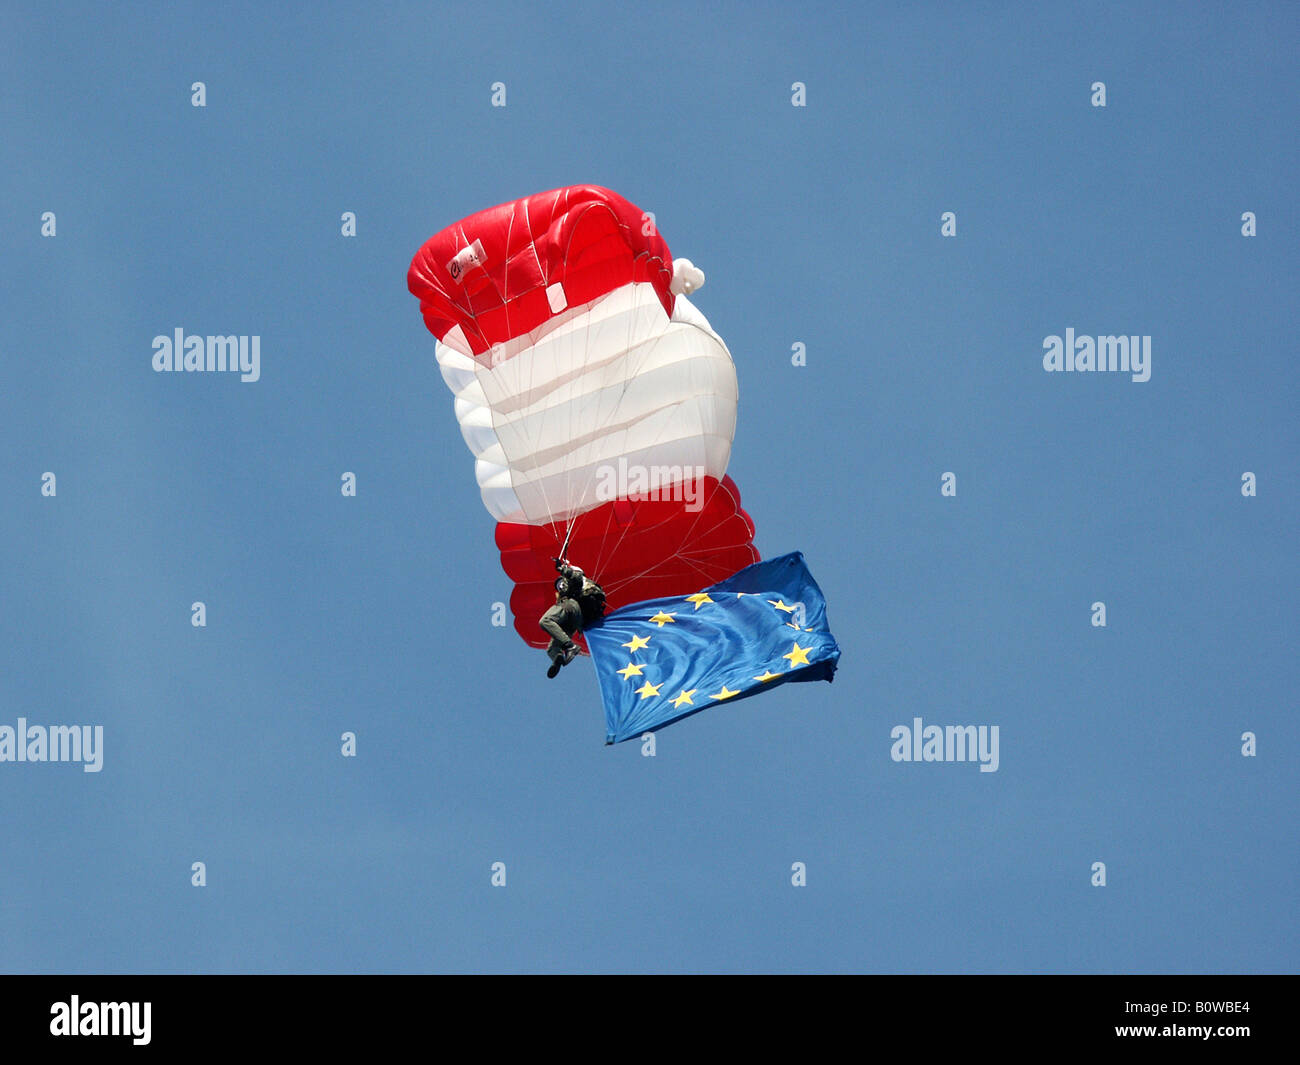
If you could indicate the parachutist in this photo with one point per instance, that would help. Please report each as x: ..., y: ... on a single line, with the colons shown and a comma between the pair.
x: 579, y: 601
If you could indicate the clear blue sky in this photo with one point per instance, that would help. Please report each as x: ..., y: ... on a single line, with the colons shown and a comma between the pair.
x: 817, y: 225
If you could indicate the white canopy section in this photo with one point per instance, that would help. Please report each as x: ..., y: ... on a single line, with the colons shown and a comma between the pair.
x: 549, y: 415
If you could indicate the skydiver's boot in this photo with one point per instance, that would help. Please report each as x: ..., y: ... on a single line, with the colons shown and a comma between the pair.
x: 563, y: 658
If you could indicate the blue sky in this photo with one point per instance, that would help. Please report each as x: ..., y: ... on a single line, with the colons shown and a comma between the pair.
x: 817, y: 225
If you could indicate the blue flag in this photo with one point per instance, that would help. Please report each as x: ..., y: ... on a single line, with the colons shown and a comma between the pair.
x: 665, y: 659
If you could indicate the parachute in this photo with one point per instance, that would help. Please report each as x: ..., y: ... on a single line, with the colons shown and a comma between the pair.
x: 598, y: 402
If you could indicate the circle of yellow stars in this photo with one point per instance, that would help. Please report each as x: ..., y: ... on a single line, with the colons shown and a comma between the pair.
x: 797, y: 656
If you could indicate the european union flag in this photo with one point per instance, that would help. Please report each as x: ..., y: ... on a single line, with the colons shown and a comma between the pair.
x: 665, y: 659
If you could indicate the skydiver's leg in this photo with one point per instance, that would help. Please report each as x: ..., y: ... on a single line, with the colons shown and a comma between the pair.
x: 557, y: 624
x: 571, y: 623
x: 552, y: 625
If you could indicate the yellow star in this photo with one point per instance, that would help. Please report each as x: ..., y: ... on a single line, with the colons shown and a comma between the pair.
x: 633, y: 670
x: 741, y: 595
x: 647, y: 689
x: 662, y: 618
x: 792, y: 625
x: 636, y: 643
x: 699, y: 599
x: 799, y: 656
x: 768, y: 676
x: 685, y: 697
x: 780, y: 605
x: 726, y: 693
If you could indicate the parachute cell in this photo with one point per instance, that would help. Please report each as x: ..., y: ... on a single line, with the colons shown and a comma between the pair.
x: 613, y: 380
x: 585, y: 239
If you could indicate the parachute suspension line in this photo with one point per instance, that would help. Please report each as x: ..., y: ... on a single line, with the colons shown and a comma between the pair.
x: 705, y: 574
x: 565, y: 548
x: 564, y: 411
x: 635, y: 359
x: 502, y: 291
x: 629, y: 372
x: 632, y: 316
x: 539, y: 433
x: 635, y: 356
x: 584, y: 456
x: 678, y: 554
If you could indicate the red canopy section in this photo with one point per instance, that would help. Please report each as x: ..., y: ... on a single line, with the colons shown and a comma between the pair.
x: 489, y: 274
x: 635, y: 549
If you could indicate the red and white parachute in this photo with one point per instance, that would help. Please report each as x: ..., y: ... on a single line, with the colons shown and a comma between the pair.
x: 598, y: 402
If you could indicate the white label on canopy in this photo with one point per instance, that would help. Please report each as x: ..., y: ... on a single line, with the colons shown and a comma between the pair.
x: 466, y: 259
x: 555, y: 295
